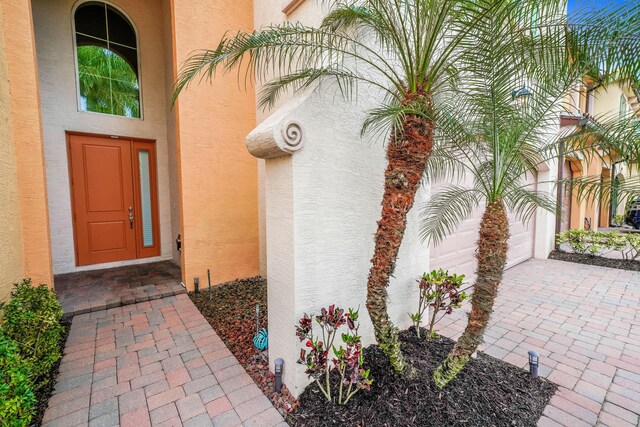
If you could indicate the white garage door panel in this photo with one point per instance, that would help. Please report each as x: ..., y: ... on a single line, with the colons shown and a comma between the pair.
x: 521, y: 241
x: 457, y: 252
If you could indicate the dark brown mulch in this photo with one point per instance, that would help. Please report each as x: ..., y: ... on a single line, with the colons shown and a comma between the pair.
x: 488, y: 392
x: 599, y: 261
x: 231, y: 312
x: 45, y: 392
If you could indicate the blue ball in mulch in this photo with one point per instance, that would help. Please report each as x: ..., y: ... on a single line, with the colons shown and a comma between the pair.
x: 261, y: 340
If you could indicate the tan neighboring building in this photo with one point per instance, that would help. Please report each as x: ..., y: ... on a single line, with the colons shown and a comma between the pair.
x: 616, y: 101
x: 97, y: 169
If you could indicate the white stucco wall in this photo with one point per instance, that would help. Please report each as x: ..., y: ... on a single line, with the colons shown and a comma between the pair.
x: 267, y: 13
x: 55, y: 53
x: 322, y: 205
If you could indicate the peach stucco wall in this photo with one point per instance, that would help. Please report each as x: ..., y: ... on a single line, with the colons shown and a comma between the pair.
x: 218, y: 177
x: 11, y: 265
x: 24, y: 234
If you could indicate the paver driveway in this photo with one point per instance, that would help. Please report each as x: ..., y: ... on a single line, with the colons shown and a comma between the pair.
x: 153, y: 363
x: 585, y: 323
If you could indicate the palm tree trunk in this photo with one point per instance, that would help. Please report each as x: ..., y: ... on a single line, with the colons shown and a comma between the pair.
x: 407, y: 155
x: 492, y: 257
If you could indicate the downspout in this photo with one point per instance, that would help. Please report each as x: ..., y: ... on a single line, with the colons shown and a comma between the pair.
x: 614, y: 193
x: 571, y: 200
x: 559, y: 194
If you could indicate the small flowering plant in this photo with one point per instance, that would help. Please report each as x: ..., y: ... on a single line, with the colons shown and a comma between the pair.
x: 441, y: 292
x: 347, y: 360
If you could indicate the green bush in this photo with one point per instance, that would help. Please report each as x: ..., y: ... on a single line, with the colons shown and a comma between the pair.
x: 440, y: 292
x: 581, y: 242
x: 31, y: 318
x: 17, y: 401
x: 632, y: 249
x: 617, y: 220
x: 597, y: 242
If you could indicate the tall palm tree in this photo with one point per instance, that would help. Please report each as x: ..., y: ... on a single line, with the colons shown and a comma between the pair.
x: 504, y: 125
x: 407, y: 49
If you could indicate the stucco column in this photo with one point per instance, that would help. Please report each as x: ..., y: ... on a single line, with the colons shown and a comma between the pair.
x: 324, y: 186
x: 545, y: 221
x: 25, y: 129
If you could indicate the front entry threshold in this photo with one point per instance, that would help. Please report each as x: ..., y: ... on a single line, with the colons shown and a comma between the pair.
x: 96, y: 290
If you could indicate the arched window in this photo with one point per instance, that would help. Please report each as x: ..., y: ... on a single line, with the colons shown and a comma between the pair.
x: 107, y: 54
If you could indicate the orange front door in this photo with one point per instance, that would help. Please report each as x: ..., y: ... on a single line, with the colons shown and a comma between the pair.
x: 105, y: 202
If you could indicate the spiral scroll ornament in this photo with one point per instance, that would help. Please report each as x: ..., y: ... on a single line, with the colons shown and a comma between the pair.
x: 292, y: 135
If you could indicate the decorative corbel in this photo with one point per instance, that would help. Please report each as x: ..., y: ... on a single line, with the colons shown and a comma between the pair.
x: 276, y: 136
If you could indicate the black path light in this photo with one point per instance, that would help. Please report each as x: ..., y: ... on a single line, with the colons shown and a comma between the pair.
x: 534, y: 362
x: 279, y: 369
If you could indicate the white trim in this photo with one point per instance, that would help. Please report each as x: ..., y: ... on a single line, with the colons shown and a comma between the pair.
x: 75, y: 58
x: 290, y: 5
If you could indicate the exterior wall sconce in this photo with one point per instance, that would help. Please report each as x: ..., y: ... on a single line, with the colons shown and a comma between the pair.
x: 521, y: 96
x: 523, y: 92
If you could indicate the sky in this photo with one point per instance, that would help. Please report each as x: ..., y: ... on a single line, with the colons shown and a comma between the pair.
x: 592, y: 4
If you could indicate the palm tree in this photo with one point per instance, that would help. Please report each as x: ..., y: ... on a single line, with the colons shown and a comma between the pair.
x: 108, y: 83
x: 504, y: 125
x: 407, y: 49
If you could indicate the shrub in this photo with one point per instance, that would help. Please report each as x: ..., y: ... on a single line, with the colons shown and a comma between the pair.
x: 581, y: 241
x: 597, y: 242
x: 631, y: 250
x: 609, y: 240
x: 32, y: 319
x: 617, y: 220
x: 440, y: 291
x: 348, y: 361
x: 17, y: 401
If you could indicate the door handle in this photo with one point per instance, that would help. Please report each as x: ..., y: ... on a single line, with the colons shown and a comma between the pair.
x: 131, y: 217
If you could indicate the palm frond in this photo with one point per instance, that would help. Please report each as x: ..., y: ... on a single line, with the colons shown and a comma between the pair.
x: 283, y: 50
x: 497, y: 141
x: 524, y: 202
x: 592, y: 188
x: 446, y: 210
x: 392, y: 115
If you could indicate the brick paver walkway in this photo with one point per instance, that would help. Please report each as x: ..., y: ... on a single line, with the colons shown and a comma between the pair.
x: 153, y: 363
x: 585, y: 323
x: 97, y: 290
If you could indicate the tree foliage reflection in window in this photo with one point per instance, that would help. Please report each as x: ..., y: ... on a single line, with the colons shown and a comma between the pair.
x: 107, y: 61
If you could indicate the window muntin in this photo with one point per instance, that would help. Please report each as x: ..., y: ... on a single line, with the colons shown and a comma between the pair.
x: 107, y: 55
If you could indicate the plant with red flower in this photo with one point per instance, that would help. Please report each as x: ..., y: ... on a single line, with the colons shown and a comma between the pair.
x: 348, y: 361
x: 440, y: 292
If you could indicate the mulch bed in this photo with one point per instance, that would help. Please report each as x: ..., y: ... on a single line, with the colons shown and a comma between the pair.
x: 488, y: 392
x: 231, y: 311
x: 599, y: 261
x: 45, y: 392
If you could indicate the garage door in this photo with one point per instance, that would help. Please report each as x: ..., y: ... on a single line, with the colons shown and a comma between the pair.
x: 456, y: 252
